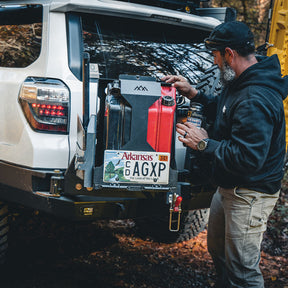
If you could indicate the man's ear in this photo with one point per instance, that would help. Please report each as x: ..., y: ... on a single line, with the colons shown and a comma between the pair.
x: 229, y: 55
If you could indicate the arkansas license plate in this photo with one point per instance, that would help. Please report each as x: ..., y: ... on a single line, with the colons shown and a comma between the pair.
x: 136, y: 167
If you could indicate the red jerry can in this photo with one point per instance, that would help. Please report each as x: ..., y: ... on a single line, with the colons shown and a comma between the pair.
x: 161, y: 120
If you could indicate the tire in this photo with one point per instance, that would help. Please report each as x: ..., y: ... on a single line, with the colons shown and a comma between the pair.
x: 210, y: 83
x: 4, y: 228
x: 192, y: 223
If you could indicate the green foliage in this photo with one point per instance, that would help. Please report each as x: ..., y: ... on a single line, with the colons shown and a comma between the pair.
x: 120, y: 171
x: 110, y: 168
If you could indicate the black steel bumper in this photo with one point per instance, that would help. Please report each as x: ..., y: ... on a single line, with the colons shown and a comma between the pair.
x: 36, y: 189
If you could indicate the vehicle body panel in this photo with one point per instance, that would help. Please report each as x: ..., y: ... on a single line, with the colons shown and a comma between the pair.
x: 278, y: 40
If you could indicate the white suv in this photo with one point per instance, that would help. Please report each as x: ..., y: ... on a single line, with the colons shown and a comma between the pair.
x: 79, y: 86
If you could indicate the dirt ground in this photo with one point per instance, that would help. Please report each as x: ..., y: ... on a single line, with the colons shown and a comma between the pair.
x: 46, y: 252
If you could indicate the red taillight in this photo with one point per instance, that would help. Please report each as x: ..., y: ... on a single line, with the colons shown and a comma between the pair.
x: 45, y: 103
x: 49, y: 110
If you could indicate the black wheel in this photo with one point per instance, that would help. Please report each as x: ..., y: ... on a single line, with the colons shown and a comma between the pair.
x: 192, y: 223
x: 4, y: 228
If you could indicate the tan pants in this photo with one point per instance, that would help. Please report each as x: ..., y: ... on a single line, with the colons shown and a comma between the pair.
x: 238, y: 219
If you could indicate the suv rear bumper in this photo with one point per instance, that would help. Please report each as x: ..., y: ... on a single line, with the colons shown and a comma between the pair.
x: 34, y: 188
x: 75, y: 208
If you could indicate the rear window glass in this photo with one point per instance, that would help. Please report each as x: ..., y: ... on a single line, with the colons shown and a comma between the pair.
x: 20, y: 35
x: 129, y: 46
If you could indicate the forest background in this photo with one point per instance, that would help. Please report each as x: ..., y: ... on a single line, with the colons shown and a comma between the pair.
x: 253, y: 12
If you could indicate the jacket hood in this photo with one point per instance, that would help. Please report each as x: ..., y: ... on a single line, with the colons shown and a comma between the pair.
x: 266, y: 72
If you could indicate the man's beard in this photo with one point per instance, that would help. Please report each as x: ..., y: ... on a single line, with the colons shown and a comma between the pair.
x: 227, y: 74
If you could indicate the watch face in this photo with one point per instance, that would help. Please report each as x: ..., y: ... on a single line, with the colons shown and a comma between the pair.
x: 202, y: 145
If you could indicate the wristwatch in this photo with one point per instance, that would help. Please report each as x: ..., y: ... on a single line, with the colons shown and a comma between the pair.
x: 202, y: 144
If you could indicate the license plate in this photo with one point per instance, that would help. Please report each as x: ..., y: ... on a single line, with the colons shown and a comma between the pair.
x: 136, y: 167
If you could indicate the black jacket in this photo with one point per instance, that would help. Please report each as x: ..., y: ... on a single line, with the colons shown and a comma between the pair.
x: 248, y: 139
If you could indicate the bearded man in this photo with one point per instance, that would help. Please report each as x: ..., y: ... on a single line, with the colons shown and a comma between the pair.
x: 247, y: 146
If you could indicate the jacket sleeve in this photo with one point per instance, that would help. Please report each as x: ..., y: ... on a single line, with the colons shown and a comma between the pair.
x: 251, y: 133
x: 205, y: 99
x: 209, y: 102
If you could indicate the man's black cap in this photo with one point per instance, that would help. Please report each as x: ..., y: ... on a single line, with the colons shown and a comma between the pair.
x: 232, y: 34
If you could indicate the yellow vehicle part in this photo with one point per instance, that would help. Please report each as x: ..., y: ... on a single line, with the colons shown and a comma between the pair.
x: 278, y: 42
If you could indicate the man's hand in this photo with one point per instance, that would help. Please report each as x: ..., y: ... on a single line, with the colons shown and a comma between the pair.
x: 182, y: 85
x: 190, y: 134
